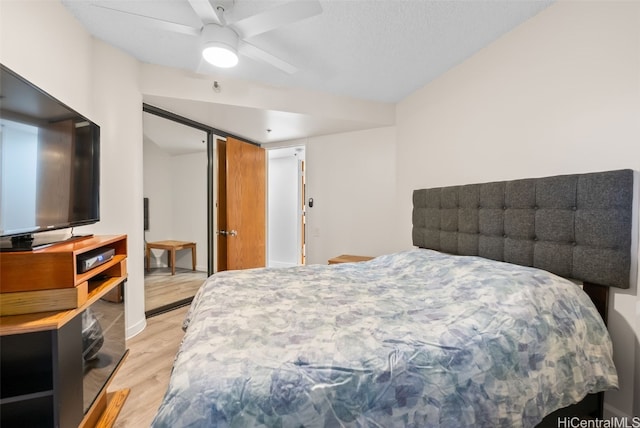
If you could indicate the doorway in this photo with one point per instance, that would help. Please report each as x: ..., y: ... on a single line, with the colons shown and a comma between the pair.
x: 286, y: 207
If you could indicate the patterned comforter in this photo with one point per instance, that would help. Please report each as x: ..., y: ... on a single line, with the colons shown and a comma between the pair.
x: 413, y: 339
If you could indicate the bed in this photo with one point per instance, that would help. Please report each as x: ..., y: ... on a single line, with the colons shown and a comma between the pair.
x: 475, y: 326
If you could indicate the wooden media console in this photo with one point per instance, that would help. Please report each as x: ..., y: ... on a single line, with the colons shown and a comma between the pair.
x: 62, y: 335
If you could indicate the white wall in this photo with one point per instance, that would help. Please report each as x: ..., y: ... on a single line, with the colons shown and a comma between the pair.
x: 189, y: 191
x: 559, y: 94
x: 43, y: 43
x: 352, y: 179
x: 157, y: 187
x: 177, y: 190
x: 117, y: 98
x: 283, y: 211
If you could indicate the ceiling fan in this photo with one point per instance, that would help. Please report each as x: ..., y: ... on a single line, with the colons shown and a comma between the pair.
x: 222, y: 42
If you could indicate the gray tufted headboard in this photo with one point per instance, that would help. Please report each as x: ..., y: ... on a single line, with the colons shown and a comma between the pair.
x: 576, y: 226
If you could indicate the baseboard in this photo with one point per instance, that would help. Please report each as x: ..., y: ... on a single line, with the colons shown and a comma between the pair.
x: 273, y: 263
x: 166, y: 266
x: 136, y: 328
x: 611, y: 412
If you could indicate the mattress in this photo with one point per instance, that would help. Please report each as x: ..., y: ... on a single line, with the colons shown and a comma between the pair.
x: 412, y: 339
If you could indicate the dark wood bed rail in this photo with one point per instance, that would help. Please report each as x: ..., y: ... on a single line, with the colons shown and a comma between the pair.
x: 599, y: 295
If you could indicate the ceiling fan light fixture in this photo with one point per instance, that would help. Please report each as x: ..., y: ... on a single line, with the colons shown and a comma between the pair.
x: 220, y: 56
x: 219, y: 46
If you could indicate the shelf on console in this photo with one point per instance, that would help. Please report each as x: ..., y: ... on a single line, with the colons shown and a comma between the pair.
x: 47, y: 280
x: 51, y: 320
x: 16, y: 397
x: 56, y: 266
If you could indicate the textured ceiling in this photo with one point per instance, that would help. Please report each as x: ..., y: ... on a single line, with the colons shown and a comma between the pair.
x: 379, y: 50
x: 370, y: 51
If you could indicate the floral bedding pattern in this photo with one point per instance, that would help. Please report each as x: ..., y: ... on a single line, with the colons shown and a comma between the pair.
x: 412, y: 339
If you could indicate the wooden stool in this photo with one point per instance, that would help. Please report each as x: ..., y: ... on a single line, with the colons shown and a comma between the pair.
x: 171, y: 247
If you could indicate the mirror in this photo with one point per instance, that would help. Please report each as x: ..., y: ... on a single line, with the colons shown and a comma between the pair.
x: 175, y: 191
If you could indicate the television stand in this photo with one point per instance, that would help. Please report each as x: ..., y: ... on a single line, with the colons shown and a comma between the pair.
x: 62, y: 335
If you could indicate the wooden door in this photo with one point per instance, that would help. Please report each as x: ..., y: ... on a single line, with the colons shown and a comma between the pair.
x: 221, y: 205
x: 243, y: 237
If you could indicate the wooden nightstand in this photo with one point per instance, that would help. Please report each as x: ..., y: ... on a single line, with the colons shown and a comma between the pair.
x: 348, y: 258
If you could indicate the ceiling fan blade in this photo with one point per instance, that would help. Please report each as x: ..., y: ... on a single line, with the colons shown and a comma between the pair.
x: 207, y: 13
x: 278, y: 16
x: 159, y: 24
x: 254, y: 52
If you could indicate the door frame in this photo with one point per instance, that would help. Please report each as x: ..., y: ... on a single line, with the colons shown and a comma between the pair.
x: 212, y: 134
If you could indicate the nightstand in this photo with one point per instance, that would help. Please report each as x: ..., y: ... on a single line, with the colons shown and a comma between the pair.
x: 348, y: 258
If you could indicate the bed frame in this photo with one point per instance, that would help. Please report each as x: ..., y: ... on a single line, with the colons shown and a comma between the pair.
x: 577, y: 226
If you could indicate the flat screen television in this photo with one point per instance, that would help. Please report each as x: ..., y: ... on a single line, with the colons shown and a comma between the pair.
x: 49, y: 165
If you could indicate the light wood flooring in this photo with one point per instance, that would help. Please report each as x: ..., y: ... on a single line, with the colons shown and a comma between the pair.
x: 162, y: 288
x: 148, y: 367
